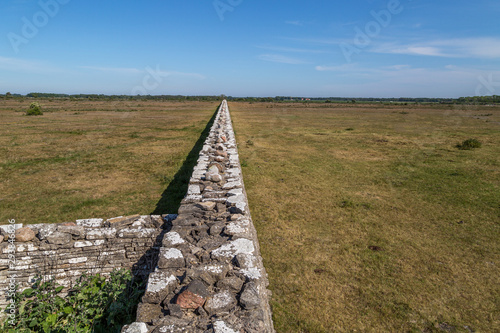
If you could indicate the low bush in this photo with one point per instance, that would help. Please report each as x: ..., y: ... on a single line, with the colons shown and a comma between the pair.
x: 94, y: 304
x: 34, y: 110
x: 469, y: 144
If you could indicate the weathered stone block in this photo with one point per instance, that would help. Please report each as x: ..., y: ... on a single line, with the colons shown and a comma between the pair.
x: 193, y: 190
x: 101, y: 233
x: 136, y: 327
x: 249, y: 265
x: 172, y: 239
x: 232, y: 283
x: 58, y: 238
x: 160, y: 284
x: 46, y: 230
x: 122, y: 221
x: 83, y: 244
x: 223, y: 301
x: 249, y: 298
x: 24, y: 234
x: 77, y: 231
x: 222, y: 327
x: 229, y: 250
x: 90, y: 223
x: 136, y: 233
x: 194, y: 296
x: 207, y: 205
x: 170, y: 258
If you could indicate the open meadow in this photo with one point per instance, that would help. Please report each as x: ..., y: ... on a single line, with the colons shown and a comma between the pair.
x: 370, y: 219
x: 85, y: 159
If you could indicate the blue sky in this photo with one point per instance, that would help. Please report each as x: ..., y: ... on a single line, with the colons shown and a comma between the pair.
x: 359, y: 48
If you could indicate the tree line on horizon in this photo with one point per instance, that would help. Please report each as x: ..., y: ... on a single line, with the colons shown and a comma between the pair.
x: 494, y: 99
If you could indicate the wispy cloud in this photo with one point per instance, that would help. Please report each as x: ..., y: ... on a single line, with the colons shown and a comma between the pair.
x: 290, y: 49
x: 135, y: 71
x: 405, y: 80
x: 482, y: 47
x: 281, y: 59
x: 21, y: 65
x: 297, y: 23
x: 117, y: 70
x: 191, y: 75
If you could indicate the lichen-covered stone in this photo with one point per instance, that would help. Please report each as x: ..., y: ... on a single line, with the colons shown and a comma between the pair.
x: 231, y: 249
x: 170, y: 258
x: 221, y: 302
x: 136, y: 328
x: 160, y: 284
x: 77, y: 231
x: 222, y: 327
x: 90, y: 223
x: 172, y: 239
x: 59, y: 238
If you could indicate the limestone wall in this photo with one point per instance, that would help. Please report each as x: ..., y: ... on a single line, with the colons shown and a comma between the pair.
x: 66, y: 250
x: 210, y: 276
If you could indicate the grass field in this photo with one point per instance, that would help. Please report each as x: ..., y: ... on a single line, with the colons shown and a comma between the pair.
x: 85, y: 159
x: 369, y: 217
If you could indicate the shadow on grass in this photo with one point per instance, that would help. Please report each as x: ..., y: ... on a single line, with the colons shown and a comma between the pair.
x: 171, y: 198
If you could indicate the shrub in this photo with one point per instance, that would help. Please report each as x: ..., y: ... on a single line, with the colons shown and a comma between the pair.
x: 94, y: 304
x: 469, y: 144
x: 34, y: 110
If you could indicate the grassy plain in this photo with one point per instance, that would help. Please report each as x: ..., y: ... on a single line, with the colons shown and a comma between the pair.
x: 85, y: 159
x: 369, y: 217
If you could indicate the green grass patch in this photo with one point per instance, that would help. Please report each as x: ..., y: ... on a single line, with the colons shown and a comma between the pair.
x: 85, y: 160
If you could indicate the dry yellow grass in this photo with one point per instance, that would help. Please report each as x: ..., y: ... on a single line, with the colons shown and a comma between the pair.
x: 370, y: 219
x: 85, y: 159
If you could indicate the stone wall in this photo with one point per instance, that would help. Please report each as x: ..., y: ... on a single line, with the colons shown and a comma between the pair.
x: 210, y: 276
x: 66, y: 250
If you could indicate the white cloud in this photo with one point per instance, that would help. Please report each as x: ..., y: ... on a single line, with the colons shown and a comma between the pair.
x: 281, y: 59
x: 21, y: 65
x: 117, y: 70
x: 404, y: 80
x: 297, y: 23
x: 482, y: 47
x: 290, y: 49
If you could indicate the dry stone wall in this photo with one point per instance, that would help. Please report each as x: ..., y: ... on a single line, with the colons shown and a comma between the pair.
x: 66, y: 250
x: 210, y: 276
